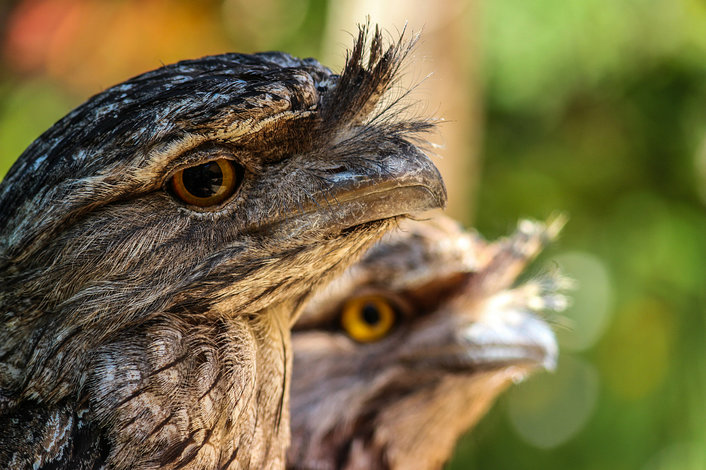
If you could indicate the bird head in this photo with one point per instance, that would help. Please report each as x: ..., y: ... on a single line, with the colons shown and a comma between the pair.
x: 408, y: 349
x: 224, y: 164
x: 191, y: 209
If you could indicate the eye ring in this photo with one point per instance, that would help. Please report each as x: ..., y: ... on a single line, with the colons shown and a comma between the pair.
x: 207, y: 184
x: 368, y: 318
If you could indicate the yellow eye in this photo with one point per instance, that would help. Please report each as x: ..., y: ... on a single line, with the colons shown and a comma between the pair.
x: 207, y: 184
x: 367, y: 318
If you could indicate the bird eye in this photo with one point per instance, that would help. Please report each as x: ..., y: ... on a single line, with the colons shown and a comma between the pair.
x: 368, y: 318
x: 207, y: 184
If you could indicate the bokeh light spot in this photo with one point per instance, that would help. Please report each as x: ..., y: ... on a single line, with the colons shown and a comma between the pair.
x: 681, y: 456
x: 591, y: 301
x: 549, y: 409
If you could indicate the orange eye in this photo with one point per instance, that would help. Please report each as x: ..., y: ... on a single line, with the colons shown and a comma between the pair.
x: 368, y: 318
x: 208, y: 184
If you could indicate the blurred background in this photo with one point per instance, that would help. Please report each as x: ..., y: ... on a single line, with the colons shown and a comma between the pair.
x: 596, y: 108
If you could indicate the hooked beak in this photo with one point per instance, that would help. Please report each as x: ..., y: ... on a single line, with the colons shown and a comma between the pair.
x: 486, y: 325
x: 509, y: 335
x: 501, y: 332
x: 398, y: 183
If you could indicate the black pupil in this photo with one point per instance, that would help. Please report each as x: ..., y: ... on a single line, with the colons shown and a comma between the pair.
x: 371, y: 314
x: 203, y: 180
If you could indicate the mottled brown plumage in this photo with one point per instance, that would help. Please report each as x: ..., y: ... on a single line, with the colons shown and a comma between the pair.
x: 462, y: 334
x: 140, y: 332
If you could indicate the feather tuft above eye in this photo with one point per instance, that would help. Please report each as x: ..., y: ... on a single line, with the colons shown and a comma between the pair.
x: 371, y: 70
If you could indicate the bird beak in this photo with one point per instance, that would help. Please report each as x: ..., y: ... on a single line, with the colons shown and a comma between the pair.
x: 487, y: 325
x: 364, y: 189
x: 500, y: 332
x: 508, y: 334
x: 505, y: 328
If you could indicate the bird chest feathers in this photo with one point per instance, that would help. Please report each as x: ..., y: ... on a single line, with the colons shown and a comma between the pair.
x: 157, y: 243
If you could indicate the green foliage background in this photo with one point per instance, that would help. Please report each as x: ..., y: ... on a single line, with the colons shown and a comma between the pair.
x: 598, y: 107
x: 593, y: 107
